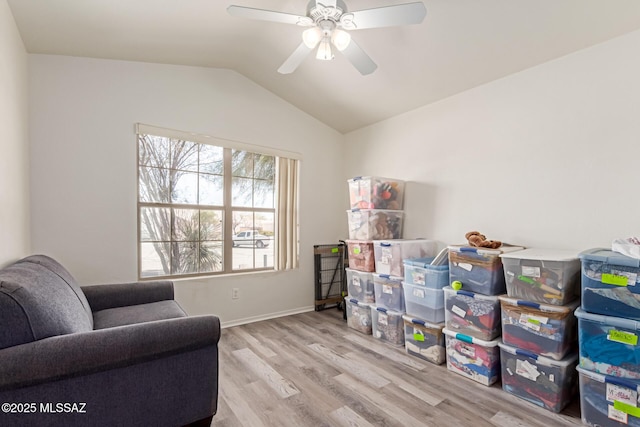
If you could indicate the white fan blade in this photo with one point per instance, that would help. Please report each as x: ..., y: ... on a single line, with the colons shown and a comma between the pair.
x: 359, y: 59
x: 401, y: 14
x: 296, y: 58
x: 268, y: 15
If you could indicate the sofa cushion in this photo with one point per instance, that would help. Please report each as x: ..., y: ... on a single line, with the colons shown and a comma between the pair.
x: 57, y: 268
x: 36, y: 303
x: 131, y: 314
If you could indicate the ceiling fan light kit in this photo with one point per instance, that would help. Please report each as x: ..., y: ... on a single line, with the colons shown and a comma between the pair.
x: 327, y: 21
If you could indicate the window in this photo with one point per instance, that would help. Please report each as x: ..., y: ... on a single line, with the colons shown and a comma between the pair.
x: 209, y: 209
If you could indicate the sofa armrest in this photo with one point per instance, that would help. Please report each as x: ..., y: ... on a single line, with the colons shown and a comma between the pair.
x: 73, y: 355
x: 101, y: 297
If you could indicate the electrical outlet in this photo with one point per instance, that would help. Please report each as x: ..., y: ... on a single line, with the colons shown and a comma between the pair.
x: 235, y: 293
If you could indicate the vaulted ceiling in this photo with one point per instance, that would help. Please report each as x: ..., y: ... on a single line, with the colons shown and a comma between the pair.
x: 461, y: 44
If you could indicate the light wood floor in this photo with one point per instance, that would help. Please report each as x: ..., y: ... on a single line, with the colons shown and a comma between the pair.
x: 312, y: 370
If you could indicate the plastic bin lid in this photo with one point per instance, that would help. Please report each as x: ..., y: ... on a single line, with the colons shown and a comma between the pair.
x: 418, y: 262
x: 388, y: 277
x: 386, y: 310
x: 486, y: 251
x: 608, y: 256
x: 393, y: 211
x: 603, y: 378
x: 542, y: 307
x: 379, y: 178
x: 543, y: 255
x: 450, y: 290
x: 356, y: 302
x: 617, y: 322
x: 471, y: 340
x: 400, y: 241
x: 361, y: 242
x: 417, y: 321
x: 540, y: 360
x: 361, y: 273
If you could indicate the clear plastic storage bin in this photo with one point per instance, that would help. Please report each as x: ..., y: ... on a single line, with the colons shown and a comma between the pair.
x: 387, y: 325
x: 472, y: 314
x: 547, y: 330
x: 374, y: 192
x: 374, y: 224
x: 425, y: 303
x: 545, y: 276
x: 609, y: 345
x: 358, y: 315
x: 420, y: 272
x: 479, y: 269
x: 548, y: 383
x: 389, y: 292
x: 360, y: 285
x: 390, y: 254
x: 361, y: 255
x: 608, y: 401
x: 610, y: 283
x: 473, y: 358
x: 424, y: 339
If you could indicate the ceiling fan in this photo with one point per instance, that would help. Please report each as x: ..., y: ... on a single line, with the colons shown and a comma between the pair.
x: 327, y: 21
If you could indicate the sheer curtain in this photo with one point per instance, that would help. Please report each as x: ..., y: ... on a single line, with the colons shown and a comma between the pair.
x: 287, y: 214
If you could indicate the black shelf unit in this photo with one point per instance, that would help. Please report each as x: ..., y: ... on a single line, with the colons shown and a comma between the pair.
x: 329, y: 275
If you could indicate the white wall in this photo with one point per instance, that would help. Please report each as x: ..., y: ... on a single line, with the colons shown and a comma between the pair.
x: 546, y: 158
x: 14, y: 143
x: 83, y: 170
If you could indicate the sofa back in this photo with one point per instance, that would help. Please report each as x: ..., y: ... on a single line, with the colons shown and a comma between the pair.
x: 38, y: 299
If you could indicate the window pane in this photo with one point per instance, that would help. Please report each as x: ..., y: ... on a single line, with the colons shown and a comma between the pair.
x: 254, y: 240
x: 211, y: 159
x: 154, y: 259
x: 155, y: 224
x: 211, y: 225
x: 185, y: 188
x: 242, y: 192
x: 210, y: 257
x: 153, y: 185
x: 184, y: 155
x: 184, y: 257
x: 242, y: 164
x: 264, y: 167
x: 263, y: 193
x: 153, y: 151
x: 186, y: 225
x: 211, y: 192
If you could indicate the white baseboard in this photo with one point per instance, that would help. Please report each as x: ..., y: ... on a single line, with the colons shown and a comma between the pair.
x: 266, y: 317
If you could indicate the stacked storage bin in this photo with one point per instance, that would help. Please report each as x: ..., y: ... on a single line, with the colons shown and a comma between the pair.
x: 388, y: 282
x: 539, y: 335
x: 424, y: 303
x: 608, y: 329
x: 375, y: 213
x: 472, y: 313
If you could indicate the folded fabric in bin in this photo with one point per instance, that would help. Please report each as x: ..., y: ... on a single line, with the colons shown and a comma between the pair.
x: 472, y: 314
x: 597, y: 404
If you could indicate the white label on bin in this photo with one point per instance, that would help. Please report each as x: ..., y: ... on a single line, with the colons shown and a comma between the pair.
x: 527, y: 370
x: 418, y: 278
x: 383, y: 319
x: 530, y: 271
x: 356, y: 282
x: 622, y: 394
x: 465, y: 266
x: 385, y: 257
x: 417, y: 292
x: 457, y: 310
x: 532, y: 321
x: 617, y: 415
x: 386, y: 289
x: 467, y: 350
x: 354, y: 311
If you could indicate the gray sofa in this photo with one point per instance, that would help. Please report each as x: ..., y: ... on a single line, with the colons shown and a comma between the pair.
x: 112, y: 355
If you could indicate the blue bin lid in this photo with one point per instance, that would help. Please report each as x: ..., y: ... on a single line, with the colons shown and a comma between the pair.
x: 608, y: 256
